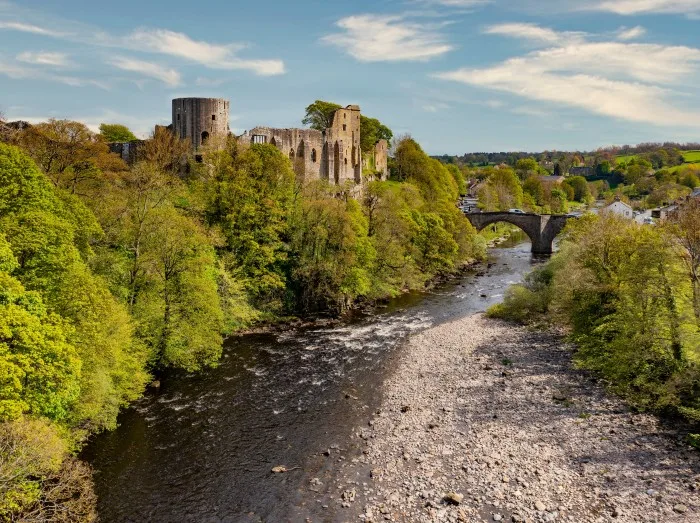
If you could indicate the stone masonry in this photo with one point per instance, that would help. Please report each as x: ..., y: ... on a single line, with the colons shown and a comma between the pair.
x: 198, y: 119
x: 333, y: 155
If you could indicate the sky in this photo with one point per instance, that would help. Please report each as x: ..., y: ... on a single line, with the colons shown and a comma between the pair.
x: 457, y: 75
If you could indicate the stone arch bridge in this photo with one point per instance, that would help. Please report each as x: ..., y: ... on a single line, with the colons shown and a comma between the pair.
x: 540, y: 228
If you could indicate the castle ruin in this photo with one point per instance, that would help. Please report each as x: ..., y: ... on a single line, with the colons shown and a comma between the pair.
x: 333, y: 154
x: 198, y: 119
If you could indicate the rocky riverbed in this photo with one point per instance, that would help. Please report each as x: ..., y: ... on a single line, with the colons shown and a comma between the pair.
x: 484, y: 421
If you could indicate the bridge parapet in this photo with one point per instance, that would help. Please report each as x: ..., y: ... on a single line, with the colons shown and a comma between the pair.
x: 540, y: 228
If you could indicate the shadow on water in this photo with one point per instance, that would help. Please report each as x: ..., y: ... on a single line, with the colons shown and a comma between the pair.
x: 202, y: 447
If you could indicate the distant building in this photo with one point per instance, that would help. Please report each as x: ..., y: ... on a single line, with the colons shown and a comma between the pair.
x: 584, y: 171
x: 127, y: 151
x: 662, y: 213
x: 620, y: 208
x: 333, y: 154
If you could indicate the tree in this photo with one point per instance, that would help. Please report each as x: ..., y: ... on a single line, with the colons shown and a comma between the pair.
x: 581, y: 191
x: 526, y: 167
x: 39, y: 480
x: 319, y: 115
x: 371, y: 131
x: 69, y: 153
x: 685, y: 228
x: 249, y: 196
x: 533, y: 186
x: 166, y: 151
x: 115, y: 132
x: 502, y: 191
x: 40, y: 370
x: 179, y: 312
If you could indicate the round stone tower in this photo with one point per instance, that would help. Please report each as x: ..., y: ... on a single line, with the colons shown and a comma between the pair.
x: 200, y: 119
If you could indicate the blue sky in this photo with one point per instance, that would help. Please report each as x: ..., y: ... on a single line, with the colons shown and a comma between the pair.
x: 458, y: 75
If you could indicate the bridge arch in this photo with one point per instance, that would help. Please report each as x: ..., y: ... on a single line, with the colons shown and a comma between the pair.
x: 540, y: 228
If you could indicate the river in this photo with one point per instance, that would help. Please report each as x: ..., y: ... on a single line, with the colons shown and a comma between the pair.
x: 201, y: 448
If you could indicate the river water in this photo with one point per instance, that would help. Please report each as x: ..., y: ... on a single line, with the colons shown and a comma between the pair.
x: 202, y: 447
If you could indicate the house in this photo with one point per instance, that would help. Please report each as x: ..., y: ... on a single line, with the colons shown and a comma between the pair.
x: 584, y: 171
x: 662, y: 213
x: 620, y: 208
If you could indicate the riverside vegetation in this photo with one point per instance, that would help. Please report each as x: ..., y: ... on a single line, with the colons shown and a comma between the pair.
x: 110, y: 273
x: 629, y: 296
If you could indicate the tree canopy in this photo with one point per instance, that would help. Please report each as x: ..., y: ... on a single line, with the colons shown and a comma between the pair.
x: 114, y: 132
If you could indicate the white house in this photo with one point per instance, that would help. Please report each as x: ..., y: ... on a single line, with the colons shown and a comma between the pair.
x: 620, y: 208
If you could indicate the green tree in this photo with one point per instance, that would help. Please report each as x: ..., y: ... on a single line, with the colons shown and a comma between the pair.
x: 502, y: 191
x: 582, y: 192
x: 319, y: 115
x: 533, y: 186
x: 114, y: 132
x: 178, y: 312
x: 526, y: 167
x: 371, y: 131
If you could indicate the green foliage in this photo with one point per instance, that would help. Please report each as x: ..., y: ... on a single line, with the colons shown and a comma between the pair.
x: 502, y: 191
x: 178, y: 311
x: 371, y: 131
x: 626, y: 293
x: 248, y: 195
x: 114, y: 132
x: 581, y: 191
x: 46, y: 238
x: 108, y: 272
x: 39, y: 481
x: 319, y: 115
x: 40, y: 370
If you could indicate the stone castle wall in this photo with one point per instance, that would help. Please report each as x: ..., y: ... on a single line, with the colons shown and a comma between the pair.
x: 198, y: 119
x: 333, y: 155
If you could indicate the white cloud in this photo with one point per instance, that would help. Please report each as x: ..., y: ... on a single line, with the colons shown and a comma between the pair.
x: 533, y: 32
x: 149, y: 40
x: 635, y: 7
x: 19, y: 72
x: 630, y: 81
x: 210, y: 55
x: 435, y: 107
x: 373, y: 38
x: 30, y: 28
x: 631, y: 33
x: 45, y: 58
x: 460, y: 3
x: 168, y: 76
x: 531, y: 111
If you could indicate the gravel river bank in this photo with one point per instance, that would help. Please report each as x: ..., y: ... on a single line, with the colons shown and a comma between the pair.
x: 484, y: 421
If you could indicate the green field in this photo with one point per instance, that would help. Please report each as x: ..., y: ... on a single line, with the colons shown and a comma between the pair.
x: 690, y: 157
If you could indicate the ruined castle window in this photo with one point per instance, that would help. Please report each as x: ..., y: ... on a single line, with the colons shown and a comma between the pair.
x: 346, y: 161
x: 345, y: 127
x: 213, y: 117
x: 178, y: 117
x: 205, y: 137
x: 313, y: 155
x: 259, y: 138
x: 291, y: 154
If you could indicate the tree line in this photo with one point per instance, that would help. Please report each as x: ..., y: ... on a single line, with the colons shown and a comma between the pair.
x: 109, y: 273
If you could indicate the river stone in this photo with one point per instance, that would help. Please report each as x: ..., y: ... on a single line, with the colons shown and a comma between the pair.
x: 680, y: 508
x: 453, y: 498
x: 540, y: 506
